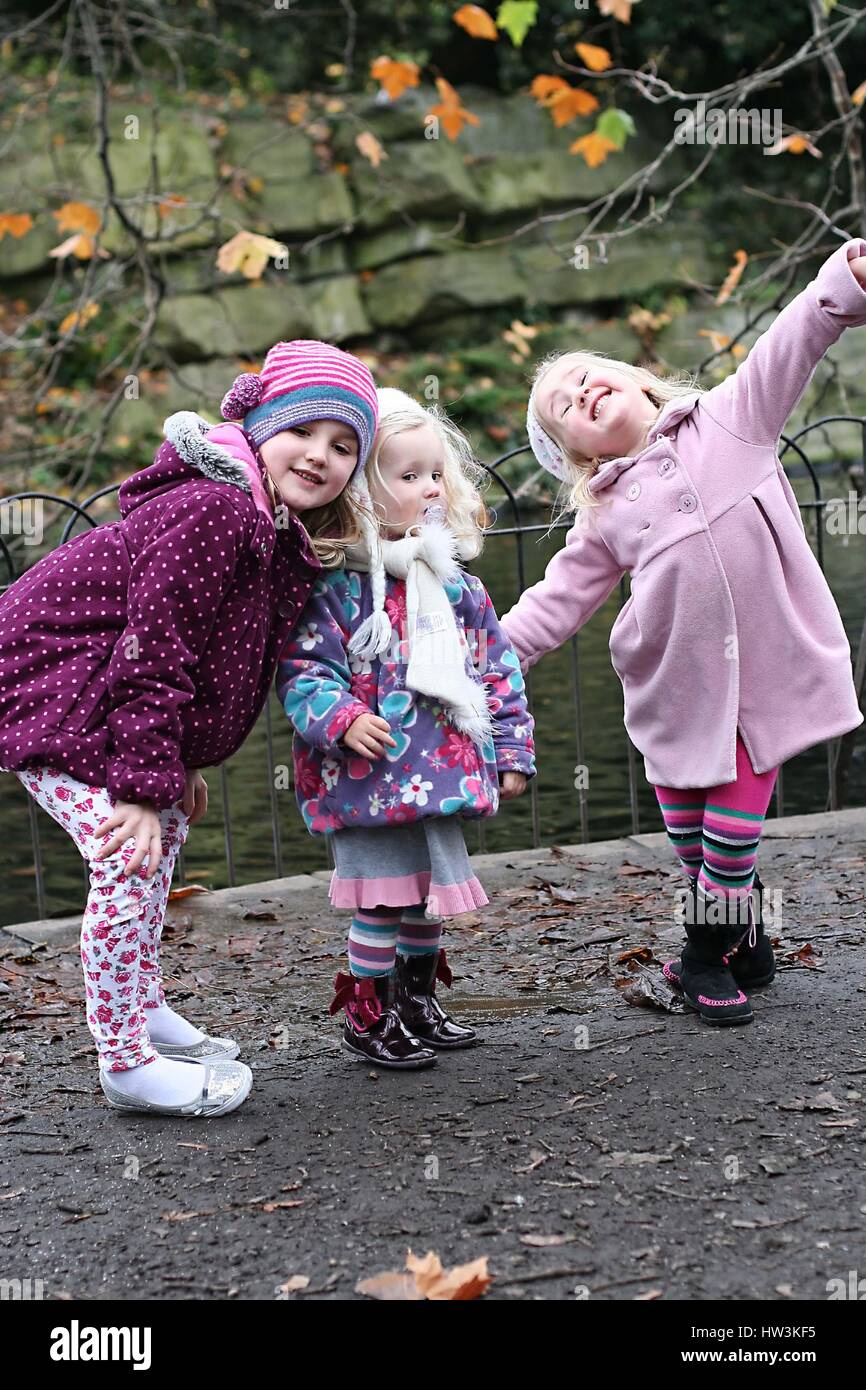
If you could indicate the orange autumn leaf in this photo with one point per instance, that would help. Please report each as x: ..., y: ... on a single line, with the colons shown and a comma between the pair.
x: 595, y: 58
x: 595, y: 148
x: 17, y: 224
x: 79, y: 244
x: 450, y: 112
x: 476, y: 22
x: 370, y: 148
x: 425, y: 1278
x: 170, y: 202
x: 544, y: 86
x: 395, y: 76
x: 460, y: 1283
x: 186, y: 891
x: 564, y: 106
x: 79, y: 317
x: 857, y: 96
x: 795, y: 144
x: 733, y: 277
x: 77, y: 217
x: 620, y: 9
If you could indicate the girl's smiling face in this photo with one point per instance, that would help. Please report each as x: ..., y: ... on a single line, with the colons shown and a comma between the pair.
x: 593, y: 410
x: 311, y: 463
x: 411, y: 465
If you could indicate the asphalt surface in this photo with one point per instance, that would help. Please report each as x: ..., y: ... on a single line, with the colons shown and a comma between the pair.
x: 599, y: 1143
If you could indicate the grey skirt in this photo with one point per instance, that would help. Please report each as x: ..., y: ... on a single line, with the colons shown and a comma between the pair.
x: 401, y: 865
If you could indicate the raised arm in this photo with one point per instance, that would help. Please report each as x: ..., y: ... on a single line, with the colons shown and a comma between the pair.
x: 576, y: 583
x: 755, y: 401
x: 313, y: 677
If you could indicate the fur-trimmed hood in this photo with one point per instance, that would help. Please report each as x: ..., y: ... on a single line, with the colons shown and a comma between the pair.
x: 185, y: 454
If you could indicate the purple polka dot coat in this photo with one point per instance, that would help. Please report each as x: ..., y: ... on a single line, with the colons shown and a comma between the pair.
x: 148, y: 646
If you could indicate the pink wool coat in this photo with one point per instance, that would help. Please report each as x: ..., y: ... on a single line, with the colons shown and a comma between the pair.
x: 730, y: 624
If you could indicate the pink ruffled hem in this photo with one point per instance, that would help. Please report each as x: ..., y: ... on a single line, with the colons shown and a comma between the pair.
x: 407, y: 889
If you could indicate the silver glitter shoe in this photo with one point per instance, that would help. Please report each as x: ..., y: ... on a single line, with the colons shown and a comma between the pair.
x: 224, y: 1086
x: 208, y: 1050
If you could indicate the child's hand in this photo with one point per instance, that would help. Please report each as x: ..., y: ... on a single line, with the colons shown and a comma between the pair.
x: 139, y: 821
x: 368, y: 736
x: 193, y: 803
x: 858, y: 270
x: 511, y: 784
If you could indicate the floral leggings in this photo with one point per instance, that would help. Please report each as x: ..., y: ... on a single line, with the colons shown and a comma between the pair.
x: 123, y: 919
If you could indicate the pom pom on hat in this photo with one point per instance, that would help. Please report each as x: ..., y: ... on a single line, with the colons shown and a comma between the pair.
x: 244, y: 393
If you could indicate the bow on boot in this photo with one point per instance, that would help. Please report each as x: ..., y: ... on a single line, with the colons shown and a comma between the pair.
x: 418, y: 1006
x: 372, y: 1028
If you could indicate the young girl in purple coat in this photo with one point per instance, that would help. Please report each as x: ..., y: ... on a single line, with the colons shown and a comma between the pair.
x: 409, y: 711
x: 731, y: 650
x: 144, y: 650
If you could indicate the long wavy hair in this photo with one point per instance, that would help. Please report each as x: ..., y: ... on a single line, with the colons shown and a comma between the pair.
x: 462, y: 474
x: 574, y: 493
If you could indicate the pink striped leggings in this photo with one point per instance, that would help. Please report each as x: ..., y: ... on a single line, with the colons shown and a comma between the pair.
x: 123, y: 920
x: 716, y: 830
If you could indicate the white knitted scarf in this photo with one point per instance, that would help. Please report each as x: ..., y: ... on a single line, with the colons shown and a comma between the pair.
x: 427, y: 559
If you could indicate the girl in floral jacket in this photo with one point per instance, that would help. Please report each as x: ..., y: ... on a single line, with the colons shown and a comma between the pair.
x: 409, y: 711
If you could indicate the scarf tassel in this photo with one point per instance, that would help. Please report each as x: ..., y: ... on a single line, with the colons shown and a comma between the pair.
x: 373, y: 637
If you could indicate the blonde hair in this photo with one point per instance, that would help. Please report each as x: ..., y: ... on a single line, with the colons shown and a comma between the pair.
x: 462, y: 474
x: 575, y: 494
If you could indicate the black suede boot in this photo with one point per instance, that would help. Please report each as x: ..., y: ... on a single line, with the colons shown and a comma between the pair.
x: 418, y: 1006
x: 704, y: 971
x: 372, y: 1028
x: 754, y: 964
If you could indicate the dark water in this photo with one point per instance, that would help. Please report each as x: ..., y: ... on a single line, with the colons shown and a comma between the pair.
x: 604, y: 752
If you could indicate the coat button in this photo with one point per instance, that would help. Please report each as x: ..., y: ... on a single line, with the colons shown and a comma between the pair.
x: 666, y: 466
x: 687, y: 502
x: 633, y: 491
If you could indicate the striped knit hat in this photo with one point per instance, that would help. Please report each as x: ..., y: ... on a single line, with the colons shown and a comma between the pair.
x: 300, y: 382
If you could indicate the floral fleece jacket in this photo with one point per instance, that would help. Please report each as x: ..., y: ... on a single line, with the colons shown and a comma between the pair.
x: 434, y: 770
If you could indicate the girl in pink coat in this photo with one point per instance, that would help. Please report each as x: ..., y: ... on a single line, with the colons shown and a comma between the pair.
x: 731, y: 651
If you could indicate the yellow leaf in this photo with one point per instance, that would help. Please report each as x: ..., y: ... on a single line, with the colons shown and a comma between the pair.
x: 858, y: 96
x: 395, y: 76
x: 450, y: 112
x: 476, y: 22
x: 370, y: 148
x: 732, y: 279
x: 595, y: 58
x: 248, y: 252
x: 620, y: 9
x: 335, y: 69
x: 595, y: 148
x: 77, y: 217
x: 17, y: 224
